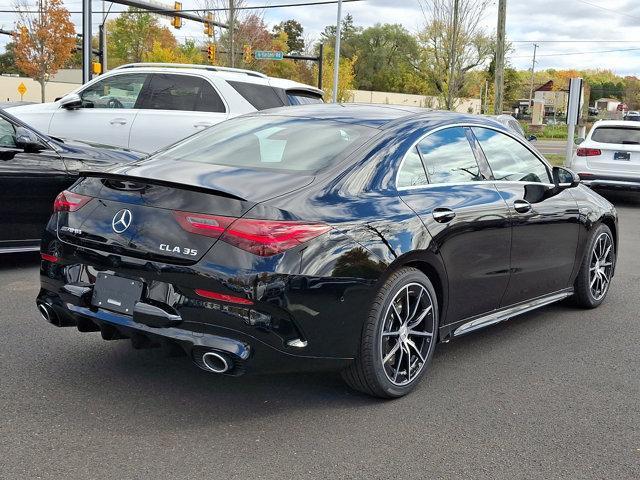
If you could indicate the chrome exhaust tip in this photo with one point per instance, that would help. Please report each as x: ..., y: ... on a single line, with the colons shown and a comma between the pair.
x: 216, y: 363
x: 44, y: 312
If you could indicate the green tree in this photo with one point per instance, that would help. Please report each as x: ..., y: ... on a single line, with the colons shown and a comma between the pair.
x: 387, y: 55
x: 348, y: 34
x: 294, y: 31
x: 8, y: 60
x: 134, y: 33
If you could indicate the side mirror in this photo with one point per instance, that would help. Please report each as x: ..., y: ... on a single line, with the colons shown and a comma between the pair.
x: 579, y: 141
x: 71, y: 101
x: 28, y: 141
x: 532, y: 138
x: 565, y: 178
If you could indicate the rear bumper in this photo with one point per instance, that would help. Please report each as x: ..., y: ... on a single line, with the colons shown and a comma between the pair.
x: 612, y: 182
x: 245, y: 352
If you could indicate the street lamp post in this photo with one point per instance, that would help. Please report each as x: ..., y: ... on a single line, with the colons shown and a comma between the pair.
x: 336, y: 61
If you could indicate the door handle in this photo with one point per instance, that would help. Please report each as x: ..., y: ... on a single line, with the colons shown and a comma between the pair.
x: 443, y: 215
x: 118, y: 121
x: 202, y: 124
x: 522, y: 206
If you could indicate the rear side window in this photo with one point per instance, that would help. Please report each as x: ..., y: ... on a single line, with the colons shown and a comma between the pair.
x: 296, y: 97
x: 411, y: 172
x: 448, y: 157
x: 509, y: 159
x: 272, y: 142
x: 260, y: 97
x: 181, y: 92
x: 619, y: 135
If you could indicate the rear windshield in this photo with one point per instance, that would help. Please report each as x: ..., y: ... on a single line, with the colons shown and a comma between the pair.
x: 303, y: 98
x: 619, y: 135
x: 272, y: 142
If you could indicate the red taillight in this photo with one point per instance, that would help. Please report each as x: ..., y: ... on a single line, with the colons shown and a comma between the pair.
x: 589, y: 152
x: 48, y: 258
x: 222, y: 297
x: 260, y: 237
x: 67, y: 201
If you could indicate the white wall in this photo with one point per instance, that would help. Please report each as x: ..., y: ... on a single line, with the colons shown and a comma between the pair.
x: 463, y: 105
x: 9, y: 89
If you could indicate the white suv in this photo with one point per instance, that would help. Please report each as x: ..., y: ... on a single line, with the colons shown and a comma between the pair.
x: 610, y: 155
x: 147, y: 106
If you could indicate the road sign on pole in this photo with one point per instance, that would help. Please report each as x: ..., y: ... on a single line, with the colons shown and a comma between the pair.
x: 268, y: 55
x: 22, y: 89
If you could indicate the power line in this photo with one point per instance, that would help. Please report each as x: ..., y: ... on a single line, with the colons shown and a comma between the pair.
x: 581, y: 53
x: 204, y: 10
x: 608, y: 9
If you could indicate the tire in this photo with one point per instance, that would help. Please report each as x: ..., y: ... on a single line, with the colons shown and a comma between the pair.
x: 404, y: 337
x: 586, y: 291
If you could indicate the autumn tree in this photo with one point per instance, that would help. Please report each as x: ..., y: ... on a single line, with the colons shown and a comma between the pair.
x: 133, y: 34
x: 44, y: 41
x: 451, y: 51
x: 346, y: 75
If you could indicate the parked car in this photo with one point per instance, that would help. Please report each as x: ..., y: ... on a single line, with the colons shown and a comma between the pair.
x: 34, y: 168
x: 148, y: 106
x: 632, y: 116
x: 593, y: 111
x: 514, y: 125
x: 610, y: 155
x: 350, y: 237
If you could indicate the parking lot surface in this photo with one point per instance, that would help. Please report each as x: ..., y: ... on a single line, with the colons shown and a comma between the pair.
x: 551, y: 394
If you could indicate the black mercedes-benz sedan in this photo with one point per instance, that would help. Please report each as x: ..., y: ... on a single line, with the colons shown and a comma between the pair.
x: 34, y: 168
x: 338, y: 237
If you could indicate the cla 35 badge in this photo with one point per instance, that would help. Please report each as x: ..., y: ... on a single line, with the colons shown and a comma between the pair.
x: 121, y: 220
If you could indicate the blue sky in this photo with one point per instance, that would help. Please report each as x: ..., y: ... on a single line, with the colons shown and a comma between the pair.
x: 557, y: 25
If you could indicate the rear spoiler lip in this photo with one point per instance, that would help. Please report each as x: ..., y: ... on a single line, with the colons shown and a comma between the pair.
x: 165, y: 183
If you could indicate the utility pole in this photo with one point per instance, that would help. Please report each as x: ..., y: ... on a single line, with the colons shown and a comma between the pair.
x: 232, y: 27
x: 452, y: 59
x: 500, y: 47
x: 533, y: 69
x: 86, y: 41
x: 336, y: 60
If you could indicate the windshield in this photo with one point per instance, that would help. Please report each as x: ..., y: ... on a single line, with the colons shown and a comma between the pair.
x: 273, y: 142
x: 619, y: 135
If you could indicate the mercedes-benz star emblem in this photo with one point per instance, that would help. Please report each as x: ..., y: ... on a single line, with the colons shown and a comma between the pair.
x: 121, y: 220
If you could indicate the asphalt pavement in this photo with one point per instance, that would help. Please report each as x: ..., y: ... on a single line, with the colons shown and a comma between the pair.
x: 551, y: 147
x: 553, y: 394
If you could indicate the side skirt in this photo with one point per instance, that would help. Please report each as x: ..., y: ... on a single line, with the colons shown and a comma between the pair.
x: 497, y: 316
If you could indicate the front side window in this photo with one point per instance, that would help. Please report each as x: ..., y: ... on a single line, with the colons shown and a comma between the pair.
x: 181, y: 92
x: 7, y: 134
x: 273, y: 142
x: 509, y: 159
x: 119, y: 91
x: 448, y: 157
x: 411, y: 172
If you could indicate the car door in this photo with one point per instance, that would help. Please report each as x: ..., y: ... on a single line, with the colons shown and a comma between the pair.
x: 544, y: 227
x: 173, y: 107
x: 109, y: 107
x: 465, y: 215
x: 29, y: 182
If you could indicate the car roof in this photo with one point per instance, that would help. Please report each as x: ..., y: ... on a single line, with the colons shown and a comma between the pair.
x: 616, y: 123
x: 379, y: 116
x: 230, y: 74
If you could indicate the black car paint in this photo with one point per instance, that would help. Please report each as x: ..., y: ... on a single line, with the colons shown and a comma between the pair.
x: 320, y: 292
x: 30, y: 180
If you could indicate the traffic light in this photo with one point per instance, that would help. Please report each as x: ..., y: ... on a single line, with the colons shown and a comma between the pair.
x: 247, y: 54
x: 177, y: 21
x: 208, y: 25
x: 211, y: 54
